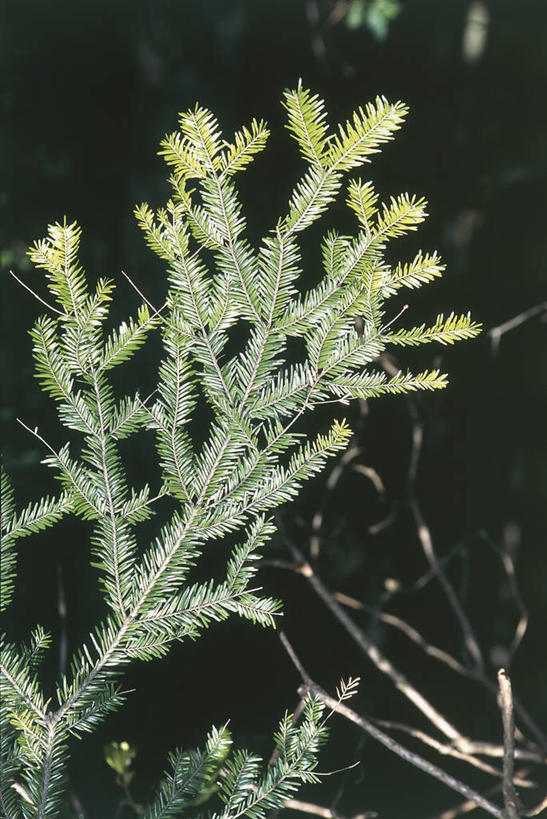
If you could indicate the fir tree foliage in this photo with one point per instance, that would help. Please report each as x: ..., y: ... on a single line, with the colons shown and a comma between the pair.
x: 256, y: 454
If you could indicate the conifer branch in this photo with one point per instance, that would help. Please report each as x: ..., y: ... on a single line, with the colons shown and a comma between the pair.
x: 76, y: 476
x: 19, y: 687
x: 38, y: 516
x: 306, y: 115
x: 247, y: 143
x: 115, y: 533
x: 201, y: 322
x: 254, y: 456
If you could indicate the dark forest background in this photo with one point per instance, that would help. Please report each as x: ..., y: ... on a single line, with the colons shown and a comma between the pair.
x: 89, y: 90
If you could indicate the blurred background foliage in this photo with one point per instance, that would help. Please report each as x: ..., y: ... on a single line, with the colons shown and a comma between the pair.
x: 90, y: 89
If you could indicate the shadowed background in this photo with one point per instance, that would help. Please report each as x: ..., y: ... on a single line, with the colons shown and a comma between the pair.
x: 91, y: 89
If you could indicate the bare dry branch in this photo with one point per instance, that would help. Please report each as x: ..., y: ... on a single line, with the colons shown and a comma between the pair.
x: 538, y: 809
x: 449, y: 750
x: 510, y: 798
x: 373, y: 652
x: 295, y: 659
x: 36, y: 296
x: 426, y: 541
x: 409, y: 756
x: 424, y: 535
x: 325, y: 813
x: 456, y: 745
x: 376, y: 733
x: 496, y: 333
x: 408, y: 630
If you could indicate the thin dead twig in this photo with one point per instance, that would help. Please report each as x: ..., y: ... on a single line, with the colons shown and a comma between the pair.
x: 409, y: 756
x: 508, y: 565
x: 445, y: 749
x: 424, y: 536
x: 467, y: 807
x: 156, y: 311
x: 538, y: 809
x: 295, y: 659
x: 373, y: 652
x: 325, y: 813
x: 510, y: 798
x: 496, y: 333
x: 426, y: 541
x: 437, y: 567
x: 388, y: 742
x: 408, y: 630
x: 463, y: 745
x: 36, y: 296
